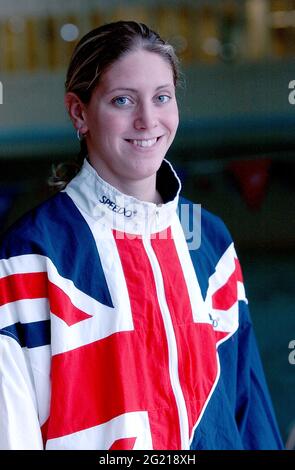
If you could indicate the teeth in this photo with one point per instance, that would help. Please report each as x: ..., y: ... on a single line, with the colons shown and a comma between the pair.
x: 144, y: 143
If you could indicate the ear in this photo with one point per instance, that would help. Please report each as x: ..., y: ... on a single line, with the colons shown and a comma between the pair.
x: 77, y: 111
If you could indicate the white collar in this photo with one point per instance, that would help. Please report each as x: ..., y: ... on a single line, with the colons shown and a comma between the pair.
x: 112, y: 208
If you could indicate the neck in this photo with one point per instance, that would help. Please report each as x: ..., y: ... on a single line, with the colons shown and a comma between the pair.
x: 143, y: 190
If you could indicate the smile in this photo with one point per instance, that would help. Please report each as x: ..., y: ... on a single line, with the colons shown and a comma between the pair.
x: 143, y: 143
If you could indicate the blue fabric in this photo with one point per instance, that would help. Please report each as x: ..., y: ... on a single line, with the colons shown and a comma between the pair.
x: 30, y: 335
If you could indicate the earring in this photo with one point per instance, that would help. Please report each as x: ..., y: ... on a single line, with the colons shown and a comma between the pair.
x: 80, y: 136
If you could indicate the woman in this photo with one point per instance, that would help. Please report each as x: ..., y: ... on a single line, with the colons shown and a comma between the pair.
x: 116, y: 333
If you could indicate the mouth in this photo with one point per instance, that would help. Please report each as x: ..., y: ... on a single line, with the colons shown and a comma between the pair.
x: 143, y: 143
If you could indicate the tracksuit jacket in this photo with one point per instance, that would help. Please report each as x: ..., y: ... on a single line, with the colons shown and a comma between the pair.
x: 124, y: 325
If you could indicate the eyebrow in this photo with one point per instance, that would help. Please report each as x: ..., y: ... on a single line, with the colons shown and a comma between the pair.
x: 167, y: 85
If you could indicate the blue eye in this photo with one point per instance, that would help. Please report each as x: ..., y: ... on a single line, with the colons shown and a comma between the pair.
x: 164, y: 98
x: 121, y: 100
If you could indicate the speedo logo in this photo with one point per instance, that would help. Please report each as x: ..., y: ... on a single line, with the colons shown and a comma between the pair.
x: 114, y: 207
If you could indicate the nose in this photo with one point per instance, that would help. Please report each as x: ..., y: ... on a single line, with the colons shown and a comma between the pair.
x: 146, y: 117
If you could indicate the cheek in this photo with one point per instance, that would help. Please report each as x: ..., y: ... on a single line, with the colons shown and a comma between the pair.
x: 174, y: 119
x: 103, y: 122
x: 114, y: 125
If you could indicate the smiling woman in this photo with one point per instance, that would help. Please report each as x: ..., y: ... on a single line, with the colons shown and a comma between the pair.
x: 116, y: 331
x: 129, y: 122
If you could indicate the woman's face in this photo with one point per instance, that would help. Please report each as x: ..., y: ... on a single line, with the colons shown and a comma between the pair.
x: 132, y: 119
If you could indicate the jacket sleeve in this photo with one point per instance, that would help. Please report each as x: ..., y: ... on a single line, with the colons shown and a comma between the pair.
x: 239, y: 414
x: 254, y: 412
x: 24, y: 348
x: 19, y: 423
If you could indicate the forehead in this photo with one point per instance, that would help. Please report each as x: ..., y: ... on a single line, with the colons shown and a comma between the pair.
x: 138, y: 68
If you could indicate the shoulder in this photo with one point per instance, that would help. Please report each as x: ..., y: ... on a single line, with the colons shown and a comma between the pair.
x: 213, y: 230
x: 39, y: 226
x: 214, y: 245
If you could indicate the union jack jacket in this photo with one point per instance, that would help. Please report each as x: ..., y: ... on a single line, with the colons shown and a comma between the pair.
x: 124, y: 325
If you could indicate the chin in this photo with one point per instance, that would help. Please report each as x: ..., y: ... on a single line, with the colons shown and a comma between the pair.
x: 148, y: 168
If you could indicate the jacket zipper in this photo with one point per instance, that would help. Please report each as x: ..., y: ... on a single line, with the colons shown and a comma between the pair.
x: 172, y: 346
